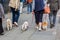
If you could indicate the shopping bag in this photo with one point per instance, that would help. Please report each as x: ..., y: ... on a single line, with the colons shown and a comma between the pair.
x: 47, y: 9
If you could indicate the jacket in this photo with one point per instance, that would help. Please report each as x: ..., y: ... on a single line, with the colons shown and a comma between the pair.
x: 14, y: 4
x: 29, y: 1
x: 39, y: 5
x: 1, y: 11
x: 54, y: 4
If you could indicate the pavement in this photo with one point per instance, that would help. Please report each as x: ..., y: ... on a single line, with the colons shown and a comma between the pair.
x: 58, y: 26
x: 31, y: 33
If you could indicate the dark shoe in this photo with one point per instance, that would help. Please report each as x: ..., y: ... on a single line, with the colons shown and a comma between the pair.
x: 51, y: 25
x: 1, y: 34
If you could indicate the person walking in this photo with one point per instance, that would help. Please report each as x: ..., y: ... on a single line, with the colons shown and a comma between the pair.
x: 21, y: 6
x: 29, y: 6
x: 38, y: 10
x: 14, y: 5
x: 1, y: 16
x: 54, y: 6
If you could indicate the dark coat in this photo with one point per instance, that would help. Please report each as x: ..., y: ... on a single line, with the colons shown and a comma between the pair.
x: 54, y: 4
x: 1, y: 11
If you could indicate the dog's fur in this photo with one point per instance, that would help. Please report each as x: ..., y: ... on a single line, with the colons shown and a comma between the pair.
x: 9, y: 24
x: 44, y: 25
x: 25, y: 26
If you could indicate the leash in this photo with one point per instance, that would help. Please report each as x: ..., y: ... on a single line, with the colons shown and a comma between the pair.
x: 8, y: 15
x: 32, y: 16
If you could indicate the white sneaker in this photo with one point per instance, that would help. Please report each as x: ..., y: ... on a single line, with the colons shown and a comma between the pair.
x: 39, y: 29
x: 16, y: 23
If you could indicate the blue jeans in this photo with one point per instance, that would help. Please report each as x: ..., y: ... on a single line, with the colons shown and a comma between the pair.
x: 29, y: 7
x: 52, y: 17
x: 15, y: 15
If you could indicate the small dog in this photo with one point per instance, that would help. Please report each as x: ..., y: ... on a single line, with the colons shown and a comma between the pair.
x: 25, y: 26
x: 44, y: 25
x: 9, y: 24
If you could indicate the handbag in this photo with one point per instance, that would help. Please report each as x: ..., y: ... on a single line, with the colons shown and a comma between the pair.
x: 47, y: 9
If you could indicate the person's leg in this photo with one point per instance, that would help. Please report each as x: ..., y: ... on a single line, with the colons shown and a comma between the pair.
x: 13, y: 15
x: 51, y: 19
x: 54, y: 17
x: 40, y: 19
x: 1, y: 27
x: 30, y: 7
x: 37, y: 19
x: 17, y: 16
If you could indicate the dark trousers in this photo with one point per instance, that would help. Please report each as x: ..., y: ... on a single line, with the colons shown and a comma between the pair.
x: 15, y: 15
x: 38, y: 16
x: 1, y: 27
x: 52, y: 17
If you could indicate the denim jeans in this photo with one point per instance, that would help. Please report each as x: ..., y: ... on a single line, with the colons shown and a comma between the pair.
x: 52, y: 17
x: 29, y: 7
x: 15, y: 15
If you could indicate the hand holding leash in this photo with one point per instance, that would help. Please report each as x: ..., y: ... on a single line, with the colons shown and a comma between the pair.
x: 32, y: 12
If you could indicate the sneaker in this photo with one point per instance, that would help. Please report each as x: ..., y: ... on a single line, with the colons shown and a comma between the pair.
x: 40, y: 25
x: 39, y: 29
x: 1, y: 34
x: 16, y: 24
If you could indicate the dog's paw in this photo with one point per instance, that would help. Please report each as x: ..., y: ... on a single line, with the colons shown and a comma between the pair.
x: 24, y: 28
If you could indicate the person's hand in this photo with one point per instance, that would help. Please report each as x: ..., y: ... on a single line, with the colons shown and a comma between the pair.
x: 33, y: 12
x: 48, y: 4
x: 16, y: 9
